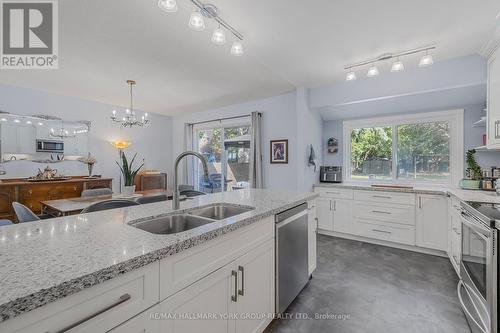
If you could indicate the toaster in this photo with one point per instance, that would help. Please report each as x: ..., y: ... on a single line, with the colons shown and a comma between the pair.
x: 330, y: 174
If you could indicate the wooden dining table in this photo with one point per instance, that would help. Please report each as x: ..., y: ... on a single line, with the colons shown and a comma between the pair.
x: 72, y: 206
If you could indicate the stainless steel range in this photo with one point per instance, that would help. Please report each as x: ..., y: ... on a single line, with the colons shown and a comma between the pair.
x: 478, y: 286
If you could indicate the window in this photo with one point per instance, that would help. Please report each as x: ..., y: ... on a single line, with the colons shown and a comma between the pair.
x: 414, y: 148
x: 226, y: 145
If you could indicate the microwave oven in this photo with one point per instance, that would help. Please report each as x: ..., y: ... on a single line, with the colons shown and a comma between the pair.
x: 50, y: 146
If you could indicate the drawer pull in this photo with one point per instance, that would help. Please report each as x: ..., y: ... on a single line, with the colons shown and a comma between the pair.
x: 123, y: 299
x: 234, y: 297
x: 381, y: 196
x: 241, y: 292
x: 381, y: 212
x: 382, y: 231
x: 333, y: 192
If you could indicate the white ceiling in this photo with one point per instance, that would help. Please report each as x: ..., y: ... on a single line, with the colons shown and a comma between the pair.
x: 288, y: 43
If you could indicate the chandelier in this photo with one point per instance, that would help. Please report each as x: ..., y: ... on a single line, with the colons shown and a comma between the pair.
x: 65, y: 133
x: 130, y: 119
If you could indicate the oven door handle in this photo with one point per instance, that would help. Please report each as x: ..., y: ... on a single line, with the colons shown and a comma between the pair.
x: 485, y: 233
x: 464, y: 308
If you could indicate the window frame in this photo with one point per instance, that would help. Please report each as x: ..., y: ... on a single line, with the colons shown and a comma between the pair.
x: 455, y: 119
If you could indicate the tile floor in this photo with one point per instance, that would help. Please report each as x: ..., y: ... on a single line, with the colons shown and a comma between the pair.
x: 380, y: 289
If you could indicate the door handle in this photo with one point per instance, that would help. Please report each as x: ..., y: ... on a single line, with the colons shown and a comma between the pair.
x: 234, y: 297
x: 241, y: 292
x: 123, y: 298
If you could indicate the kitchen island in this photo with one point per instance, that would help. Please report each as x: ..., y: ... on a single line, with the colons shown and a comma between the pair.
x: 48, y: 268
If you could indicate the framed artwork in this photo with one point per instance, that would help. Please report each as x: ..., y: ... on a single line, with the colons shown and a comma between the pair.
x: 279, y: 151
x: 333, y: 146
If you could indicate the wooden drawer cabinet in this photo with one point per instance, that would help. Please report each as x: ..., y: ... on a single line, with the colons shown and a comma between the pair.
x: 7, y: 196
x: 97, y: 309
x: 385, y: 197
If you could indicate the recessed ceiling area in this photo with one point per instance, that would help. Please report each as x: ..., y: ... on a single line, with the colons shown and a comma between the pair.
x: 287, y: 44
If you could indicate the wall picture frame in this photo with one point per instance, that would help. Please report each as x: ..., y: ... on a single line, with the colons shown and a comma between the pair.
x: 279, y: 151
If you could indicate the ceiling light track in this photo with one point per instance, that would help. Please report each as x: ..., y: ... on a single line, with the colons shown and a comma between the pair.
x: 388, y: 56
x: 210, y: 11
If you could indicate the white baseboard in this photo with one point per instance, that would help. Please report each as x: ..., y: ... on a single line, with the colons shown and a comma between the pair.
x: 384, y: 243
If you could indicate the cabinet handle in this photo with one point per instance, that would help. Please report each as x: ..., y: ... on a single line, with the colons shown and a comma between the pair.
x: 334, y: 205
x: 30, y: 192
x: 419, y: 202
x: 330, y: 204
x: 241, y: 292
x: 381, y: 196
x: 123, y: 298
x: 381, y: 212
x: 382, y: 231
x: 497, y: 122
x: 333, y: 192
x: 234, y: 297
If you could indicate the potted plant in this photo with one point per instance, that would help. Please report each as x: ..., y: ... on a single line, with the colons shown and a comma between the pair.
x: 90, y: 161
x: 128, y: 174
x: 473, y: 172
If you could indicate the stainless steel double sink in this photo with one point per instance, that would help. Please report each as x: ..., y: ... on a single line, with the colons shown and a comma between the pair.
x: 175, y: 223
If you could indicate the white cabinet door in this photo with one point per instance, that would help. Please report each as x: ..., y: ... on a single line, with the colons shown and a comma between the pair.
x: 255, y: 289
x: 312, y: 226
x: 431, y: 223
x: 9, y: 139
x: 324, y: 213
x: 342, y: 216
x: 26, y: 139
x: 210, y: 296
x: 493, y: 100
x: 146, y: 322
x: 17, y: 139
x: 76, y: 146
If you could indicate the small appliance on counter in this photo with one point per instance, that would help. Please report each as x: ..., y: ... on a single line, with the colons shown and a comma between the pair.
x: 330, y: 174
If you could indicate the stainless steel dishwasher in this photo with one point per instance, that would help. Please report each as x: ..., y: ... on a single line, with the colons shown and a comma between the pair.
x: 291, y: 255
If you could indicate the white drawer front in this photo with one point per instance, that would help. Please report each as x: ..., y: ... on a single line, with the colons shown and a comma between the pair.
x: 336, y: 193
x: 383, y: 212
x: 181, y: 270
x: 385, y: 197
x: 97, y: 309
x: 385, y: 231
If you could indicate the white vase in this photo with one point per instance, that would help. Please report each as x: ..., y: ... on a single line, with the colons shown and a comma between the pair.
x: 128, y: 191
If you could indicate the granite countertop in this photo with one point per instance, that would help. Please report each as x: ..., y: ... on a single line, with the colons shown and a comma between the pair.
x: 43, y: 261
x: 464, y: 195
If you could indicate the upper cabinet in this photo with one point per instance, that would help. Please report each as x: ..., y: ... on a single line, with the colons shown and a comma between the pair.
x: 493, y: 101
x: 76, y: 146
x: 17, y: 139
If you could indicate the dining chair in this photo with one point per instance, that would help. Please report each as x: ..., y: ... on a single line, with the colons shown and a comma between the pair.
x: 5, y: 222
x: 191, y: 193
x: 96, y: 192
x: 24, y: 214
x: 109, y: 204
x: 151, y: 199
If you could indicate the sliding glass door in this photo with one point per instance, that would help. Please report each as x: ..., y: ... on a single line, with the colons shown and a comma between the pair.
x: 226, y: 146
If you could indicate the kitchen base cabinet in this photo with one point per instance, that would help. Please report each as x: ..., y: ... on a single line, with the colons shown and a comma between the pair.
x: 324, y: 213
x: 147, y: 322
x: 238, y: 297
x: 431, y: 222
x: 96, y: 309
x: 342, y: 216
x: 312, y: 229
